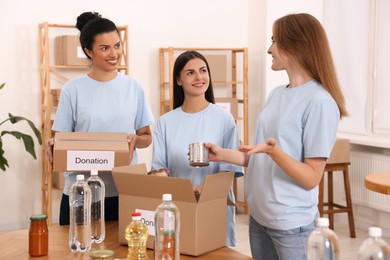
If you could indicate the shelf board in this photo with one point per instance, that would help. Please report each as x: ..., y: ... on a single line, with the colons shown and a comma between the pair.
x: 227, y: 82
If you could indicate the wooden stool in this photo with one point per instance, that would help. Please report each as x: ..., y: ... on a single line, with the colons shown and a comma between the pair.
x: 339, y: 161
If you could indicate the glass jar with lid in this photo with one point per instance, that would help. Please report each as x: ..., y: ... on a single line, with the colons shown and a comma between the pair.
x: 38, y: 235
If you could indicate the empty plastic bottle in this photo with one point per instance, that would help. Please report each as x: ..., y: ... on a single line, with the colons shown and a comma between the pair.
x: 136, y: 235
x: 323, y: 243
x: 374, y: 247
x: 80, y: 216
x: 97, y: 207
x: 167, y: 225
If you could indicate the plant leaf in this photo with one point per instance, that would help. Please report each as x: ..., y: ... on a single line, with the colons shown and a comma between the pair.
x: 27, y: 140
x: 2, y: 85
x: 3, y: 161
x: 15, y: 119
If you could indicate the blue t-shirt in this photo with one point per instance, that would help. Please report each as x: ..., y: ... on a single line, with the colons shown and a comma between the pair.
x: 176, y: 130
x: 304, y: 121
x: 87, y: 105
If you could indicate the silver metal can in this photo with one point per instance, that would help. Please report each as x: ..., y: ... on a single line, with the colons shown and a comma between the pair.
x: 199, y: 155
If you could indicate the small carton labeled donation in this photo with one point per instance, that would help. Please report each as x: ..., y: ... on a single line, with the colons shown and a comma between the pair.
x: 202, y: 221
x: 81, y: 151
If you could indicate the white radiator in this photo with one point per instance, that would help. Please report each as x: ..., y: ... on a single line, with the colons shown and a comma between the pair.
x: 362, y: 164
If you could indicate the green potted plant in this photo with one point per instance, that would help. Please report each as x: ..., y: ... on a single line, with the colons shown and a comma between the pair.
x: 27, y: 139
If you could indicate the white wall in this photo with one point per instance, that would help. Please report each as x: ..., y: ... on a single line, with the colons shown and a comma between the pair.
x: 276, y: 9
x: 152, y: 24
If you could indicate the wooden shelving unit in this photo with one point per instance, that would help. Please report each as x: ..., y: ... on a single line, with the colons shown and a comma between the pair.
x: 231, y: 86
x: 51, y: 75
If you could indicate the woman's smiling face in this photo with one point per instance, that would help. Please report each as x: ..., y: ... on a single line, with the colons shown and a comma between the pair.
x: 194, y: 78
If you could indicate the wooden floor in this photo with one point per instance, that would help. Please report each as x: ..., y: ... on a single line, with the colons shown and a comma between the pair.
x: 348, y: 246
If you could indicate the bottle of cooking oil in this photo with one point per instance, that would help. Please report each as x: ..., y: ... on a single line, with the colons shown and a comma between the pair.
x: 136, y: 235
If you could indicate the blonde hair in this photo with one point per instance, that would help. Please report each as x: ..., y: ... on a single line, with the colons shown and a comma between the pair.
x: 303, y: 37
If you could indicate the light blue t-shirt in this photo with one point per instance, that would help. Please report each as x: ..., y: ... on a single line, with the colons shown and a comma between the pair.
x: 176, y: 130
x: 87, y: 105
x: 304, y: 121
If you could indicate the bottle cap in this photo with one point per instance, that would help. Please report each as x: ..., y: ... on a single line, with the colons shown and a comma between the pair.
x: 375, y: 232
x: 322, y: 222
x: 101, y: 253
x: 136, y: 215
x: 94, y: 172
x: 167, y: 197
x: 80, y: 177
x: 38, y: 217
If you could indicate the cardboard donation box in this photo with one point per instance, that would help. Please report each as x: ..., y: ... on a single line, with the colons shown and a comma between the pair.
x: 81, y: 151
x: 68, y: 51
x: 202, y: 222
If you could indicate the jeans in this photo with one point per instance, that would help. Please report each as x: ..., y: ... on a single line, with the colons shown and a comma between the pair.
x: 267, y: 243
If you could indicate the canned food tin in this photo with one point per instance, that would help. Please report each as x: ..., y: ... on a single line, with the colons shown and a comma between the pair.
x: 199, y: 155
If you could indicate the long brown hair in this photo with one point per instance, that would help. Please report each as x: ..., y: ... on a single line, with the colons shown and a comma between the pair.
x: 304, y: 39
x: 180, y: 63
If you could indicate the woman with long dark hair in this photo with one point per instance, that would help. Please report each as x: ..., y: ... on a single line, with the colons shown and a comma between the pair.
x: 195, y: 118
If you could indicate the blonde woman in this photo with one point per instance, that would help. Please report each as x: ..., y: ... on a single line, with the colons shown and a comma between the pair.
x: 295, y: 134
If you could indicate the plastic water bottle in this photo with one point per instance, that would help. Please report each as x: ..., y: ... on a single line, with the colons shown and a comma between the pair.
x: 97, y: 207
x: 323, y: 243
x: 136, y: 235
x: 374, y: 247
x: 80, y: 216
x: 167, y: 225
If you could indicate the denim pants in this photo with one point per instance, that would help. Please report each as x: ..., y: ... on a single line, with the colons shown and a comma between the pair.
x: 269, y: 244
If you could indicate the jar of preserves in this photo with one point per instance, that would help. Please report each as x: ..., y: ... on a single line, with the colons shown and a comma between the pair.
x: 38, y: 236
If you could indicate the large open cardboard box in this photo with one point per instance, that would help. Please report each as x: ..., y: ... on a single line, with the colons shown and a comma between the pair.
x: 203, y: 222
x: 81, y: 151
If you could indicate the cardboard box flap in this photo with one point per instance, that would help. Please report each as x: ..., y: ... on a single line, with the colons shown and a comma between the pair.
x: 216, y: 186
x: 135, y: 168
x: 132, y: 183
x: 90, y: 136
x: 87, y: 145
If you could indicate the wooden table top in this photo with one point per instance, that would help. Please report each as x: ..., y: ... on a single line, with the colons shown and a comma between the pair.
x: 14, y: 246
x: 378, y: 182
